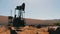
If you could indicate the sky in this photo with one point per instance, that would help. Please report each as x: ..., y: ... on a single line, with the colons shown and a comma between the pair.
x: 35, y: 9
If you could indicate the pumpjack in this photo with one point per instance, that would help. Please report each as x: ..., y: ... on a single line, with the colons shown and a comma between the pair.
x: 19, y: 21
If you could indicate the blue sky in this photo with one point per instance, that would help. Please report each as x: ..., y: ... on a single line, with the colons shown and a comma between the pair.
x: 36, y: 9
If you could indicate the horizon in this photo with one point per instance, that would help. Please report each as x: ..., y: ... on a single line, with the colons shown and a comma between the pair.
x: 34, y: 18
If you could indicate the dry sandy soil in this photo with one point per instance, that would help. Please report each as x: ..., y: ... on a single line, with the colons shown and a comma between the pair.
x: 26, y: 30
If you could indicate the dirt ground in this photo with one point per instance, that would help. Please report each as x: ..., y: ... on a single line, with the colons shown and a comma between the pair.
x: 25, y: 30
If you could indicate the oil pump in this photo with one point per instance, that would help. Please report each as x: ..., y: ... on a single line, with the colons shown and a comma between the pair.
x: 19, y: 21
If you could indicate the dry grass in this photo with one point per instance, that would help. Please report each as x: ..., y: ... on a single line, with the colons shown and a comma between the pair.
x: 4, y: 30
x: 25, y: 30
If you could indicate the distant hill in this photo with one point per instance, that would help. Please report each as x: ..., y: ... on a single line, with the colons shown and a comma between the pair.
x: 4, y: 19
x: 58, y: 20
x: 37, y: 21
